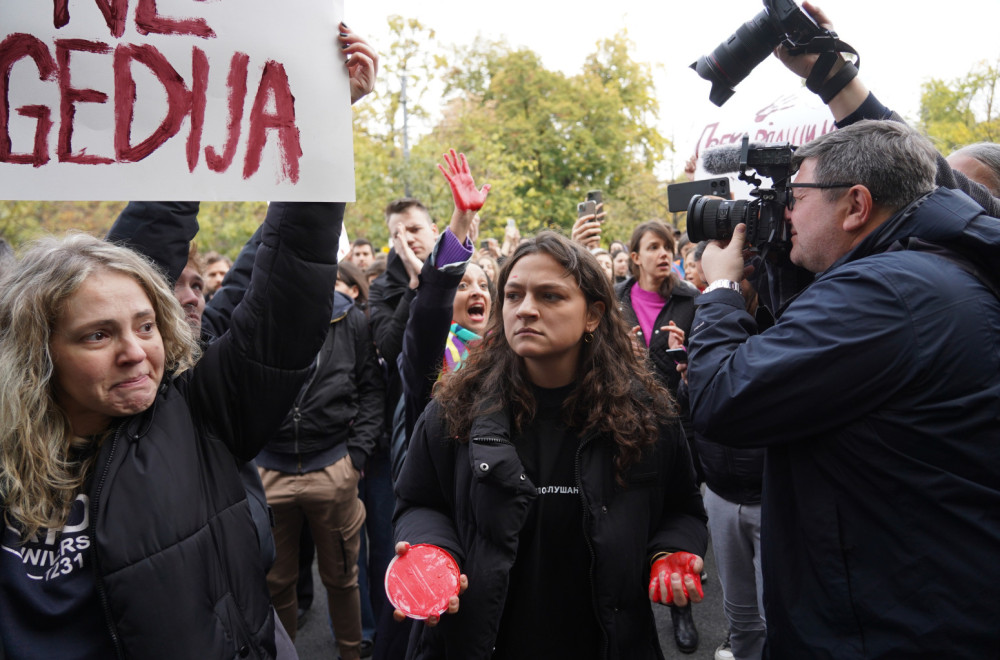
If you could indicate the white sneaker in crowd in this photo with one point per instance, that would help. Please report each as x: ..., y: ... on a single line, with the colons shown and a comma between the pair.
x: 725, y: 650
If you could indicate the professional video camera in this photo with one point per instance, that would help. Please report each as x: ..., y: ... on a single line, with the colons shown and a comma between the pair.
x: 714, y: 219
x: 781, y: 22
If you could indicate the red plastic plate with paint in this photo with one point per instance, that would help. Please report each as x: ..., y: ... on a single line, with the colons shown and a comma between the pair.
x: 420, y: 582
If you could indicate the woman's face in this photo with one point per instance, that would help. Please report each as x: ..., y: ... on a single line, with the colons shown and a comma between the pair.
x: 471, y: 308
x: 654, y: 258
x: 545, y: 316
x: 621, y: 264
x: 487, y: 266
x: 693, y: 273
x: 107, y: 352
x: 605, y: 261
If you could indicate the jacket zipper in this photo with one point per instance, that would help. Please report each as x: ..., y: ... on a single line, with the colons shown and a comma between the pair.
x: 492, y: 440
x: 590, y: 545
x: 297, y: 411
x: 94, y: 506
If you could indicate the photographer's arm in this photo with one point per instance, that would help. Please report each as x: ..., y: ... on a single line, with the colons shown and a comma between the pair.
x: 855, y: 102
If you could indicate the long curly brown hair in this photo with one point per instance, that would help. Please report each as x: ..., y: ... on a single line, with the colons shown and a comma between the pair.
x: 615, y: 393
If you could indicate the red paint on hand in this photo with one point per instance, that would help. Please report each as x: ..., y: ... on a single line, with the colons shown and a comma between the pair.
x: 659, y: 576
x: 463, y: 186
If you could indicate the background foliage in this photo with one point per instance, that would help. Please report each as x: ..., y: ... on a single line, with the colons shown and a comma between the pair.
x: 541, y: 138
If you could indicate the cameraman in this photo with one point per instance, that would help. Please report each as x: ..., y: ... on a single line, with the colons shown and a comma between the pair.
x: 875, y: 393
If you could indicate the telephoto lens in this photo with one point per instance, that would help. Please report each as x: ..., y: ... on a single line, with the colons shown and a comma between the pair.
x: 737, y: 56
x: 712, y: 219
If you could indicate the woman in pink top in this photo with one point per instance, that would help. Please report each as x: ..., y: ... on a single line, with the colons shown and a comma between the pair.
x: 659, y: 308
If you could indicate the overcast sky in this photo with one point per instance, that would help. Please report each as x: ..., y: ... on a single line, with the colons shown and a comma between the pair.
x: 902, y: 44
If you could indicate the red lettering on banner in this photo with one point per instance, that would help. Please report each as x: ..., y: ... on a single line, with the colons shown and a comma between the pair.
x: 272, y: 112
x: 237, y: 83
x: 178, y: 100
x: 274, y: 84
x: 199, y: 84
x: 14, y: 48
x: 114, y: 12
x: 148, y: 20
x: 71, y: 96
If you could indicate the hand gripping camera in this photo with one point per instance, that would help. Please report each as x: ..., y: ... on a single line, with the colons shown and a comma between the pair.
x: 711, y: 218
x: 781, y: 22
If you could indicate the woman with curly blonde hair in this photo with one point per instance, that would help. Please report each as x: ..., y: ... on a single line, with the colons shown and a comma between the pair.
x: 127, y: 530
x: 42, y: 459
x: 553, y: 468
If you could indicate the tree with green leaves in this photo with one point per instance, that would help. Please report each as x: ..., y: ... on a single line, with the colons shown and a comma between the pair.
x: 965, y: 110
x: 543, y: 139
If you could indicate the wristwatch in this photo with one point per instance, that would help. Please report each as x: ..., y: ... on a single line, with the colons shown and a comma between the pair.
x: 723, y: 284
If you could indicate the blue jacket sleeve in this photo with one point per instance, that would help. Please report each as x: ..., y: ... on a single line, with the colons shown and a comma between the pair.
x: 826, y: 362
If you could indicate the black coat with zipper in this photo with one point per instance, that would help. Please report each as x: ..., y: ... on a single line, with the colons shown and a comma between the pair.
x: 471, y: 498
x: 341, y: 405
x: 176, y: 555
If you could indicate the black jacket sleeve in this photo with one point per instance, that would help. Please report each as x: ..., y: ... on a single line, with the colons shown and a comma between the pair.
x: 368, y: 423
x: 248, y: 379
x: 682, y: 525
x: 425, y: 337
x: 389, y: 301
x: 162, y: 231
x: 219, y: 310
x: 424, y: 491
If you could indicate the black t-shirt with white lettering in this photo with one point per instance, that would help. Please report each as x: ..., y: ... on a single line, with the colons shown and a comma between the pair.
x: 48, y: 595
x: 549, y: 610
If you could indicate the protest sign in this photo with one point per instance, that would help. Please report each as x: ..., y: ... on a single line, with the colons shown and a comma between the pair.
x: 174, y: 99
x: 796, y: 118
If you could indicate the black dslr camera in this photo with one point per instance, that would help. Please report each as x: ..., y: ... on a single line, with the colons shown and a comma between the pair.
x: 781, y: 21
x: 714, y: 219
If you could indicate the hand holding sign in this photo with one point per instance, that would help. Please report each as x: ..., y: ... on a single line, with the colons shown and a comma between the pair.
x: 362, y: 63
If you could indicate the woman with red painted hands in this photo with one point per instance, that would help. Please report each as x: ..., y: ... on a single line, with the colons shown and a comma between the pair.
x: 452, y: 306
x: 552, y: 467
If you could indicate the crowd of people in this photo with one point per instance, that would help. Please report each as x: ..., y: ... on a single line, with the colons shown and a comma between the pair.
x: 570, y: 418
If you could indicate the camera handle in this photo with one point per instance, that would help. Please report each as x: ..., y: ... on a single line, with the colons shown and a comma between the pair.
x: 829, y: 47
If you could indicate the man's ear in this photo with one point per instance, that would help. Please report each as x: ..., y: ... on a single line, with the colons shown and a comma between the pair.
x: 859, y: 209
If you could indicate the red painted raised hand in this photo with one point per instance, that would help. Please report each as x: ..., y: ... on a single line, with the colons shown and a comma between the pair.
x: 463, y: 186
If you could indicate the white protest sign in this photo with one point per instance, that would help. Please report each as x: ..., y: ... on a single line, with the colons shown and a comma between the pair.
x: 797, y: 117
x: 174, y: 100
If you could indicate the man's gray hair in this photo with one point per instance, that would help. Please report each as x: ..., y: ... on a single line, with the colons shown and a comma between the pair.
x: 988, y: 154
x: 895, y: 162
